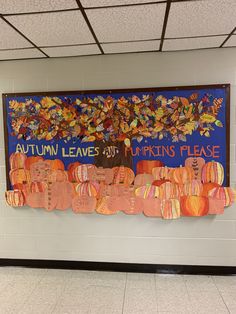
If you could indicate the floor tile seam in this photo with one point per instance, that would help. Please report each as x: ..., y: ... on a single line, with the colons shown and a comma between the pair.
x: 123, y: 303
x: 221, y: 297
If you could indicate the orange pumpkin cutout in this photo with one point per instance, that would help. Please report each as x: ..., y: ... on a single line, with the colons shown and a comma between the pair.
x: 207, y: 187
x: 146, y: 166
x: 170, y: 209
x: 136, y: 206
x: 84, y: 204
x: 63, y: 193
x: 35, y: 199
x: 24, y: 187
x: 143, y: 179
x: 149, y: 191
x: 223, y: 193
x: 195, y: 187
x: 38, y: 187
x: 55, y: 164
x: 182, y: 175
x: 15, y: 198
x: 123, y: 175
x: 196, y: 163
x: 57, y: 176
x: 152, y: 207
x: 102, y: 207
x: 169, y: 190
x: 216, y: 206
x: 82, y: 172
x: 71, y: 171
x: 160, y: 182
x: 213, y: 172
x: 19, y: 176
x: 40, y: 171
x: 31, y: 160
x: 17, y: 160
x: 87, y: 188
x: 100, y: 174
x: 162, y: 173
x: 194, y: 205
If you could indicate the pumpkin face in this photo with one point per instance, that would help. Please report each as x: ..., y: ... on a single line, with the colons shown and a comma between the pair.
x: 216, y: 206
x: 194, y: 187
x: 82, y: 172
x: 207, y: 187
x: 162, y: 173
x: 194, y: 205
x: 87, y: 189
x: 150, y: 191
x: 17, y: 160
x: 143, y: 179
x: 31, y: 160
x: 146, y: 166
x: 196, y: 163
x: 100, y: 174
x: 169, y: 190
x: 170, y: 209
x: 19, y: 176
x: 182, y: 175
x: 152, y: 207
x: 15, y: 198
x: 123, y: 175
x: 71, y: 171
x: 224, y: 194
x: 84, y: 204
x: 213, y: 172
x: 55, y: 164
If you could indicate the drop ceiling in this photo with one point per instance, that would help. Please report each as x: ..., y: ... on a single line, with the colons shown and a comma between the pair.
x: 61, y: 28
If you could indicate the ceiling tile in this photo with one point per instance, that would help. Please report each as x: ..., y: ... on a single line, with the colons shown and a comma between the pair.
x: 20, y: 54
x: 192, y: 43
x: 23, y: 6
x: 128, y: 23
x: 231, y: 42
x: 199, y: 18
x: 105, y: 3
x: 9, y: 38
x: 131, y: 47
x: 52, y: 29
x: 72, y: 51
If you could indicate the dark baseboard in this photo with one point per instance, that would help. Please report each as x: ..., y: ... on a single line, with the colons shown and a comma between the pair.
x: 121, y: 267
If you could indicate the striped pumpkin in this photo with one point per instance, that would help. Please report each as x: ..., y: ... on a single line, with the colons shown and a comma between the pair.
x: 21, y: 176
x: 17, y: 160
x: 170, y: 209
x: 223, y: 193
x: 213, y: 172
x: 195, y: 187
x: 101, y: 174
x: 207, y: 187
x: 169, y: 190
x: 160, y: 173
x: 83, y: 172
x: 149, y: 191
x: 90, y: 188
x: 71, y: 171
x: 31, y: 160
x: 103, y: 208
x: 143, y: 179
x: 55, y: 164
x: 15, y: 198
x: 38, y: 187
x: 182, y: 175
x: 194, y: 205
x: 197, y: 163
x: 123, y: 175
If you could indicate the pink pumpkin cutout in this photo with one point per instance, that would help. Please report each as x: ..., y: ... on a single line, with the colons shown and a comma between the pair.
x: 84, y: 204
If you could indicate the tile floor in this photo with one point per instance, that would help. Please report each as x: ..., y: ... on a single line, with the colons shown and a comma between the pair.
x: 35, y: 291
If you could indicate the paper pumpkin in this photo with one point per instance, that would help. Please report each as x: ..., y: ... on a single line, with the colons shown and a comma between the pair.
x: 55, y: 164
x: 84, y: 204
x: 38, y: 187
x: 149, y: 191
x: 146, y: 166
x: 123, y: 175
x: 35, y: 199
x: 71, y: 171
x: 63, y: 193
x: 182, y: 175
x: 169, y: 190
x: 15, y: 198
x: 31, y: 160
x: 195, y: 187
x: 170, y: 209
x: 17, y: 160
x: 19, y: 176
x: 143, y: 179
x: 196, y: 163
x: 207, y: 187
x: 160, y: 182
x: 102, y: 207
x: 136, y: 206
x: 223, y: 193
x: 194, y: 205
x: 162, y: 173
x: 90, y: 188
x: 40, y: 171
x: 213, y: 172
x: 24, y: 187
x: 57, y: 176
x: 216, y: 206
x: 151, y: 207
x: 82, y: 172
x: 101, y: 174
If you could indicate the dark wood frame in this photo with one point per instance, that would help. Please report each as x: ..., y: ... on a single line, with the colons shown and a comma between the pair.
x: 152, y: 89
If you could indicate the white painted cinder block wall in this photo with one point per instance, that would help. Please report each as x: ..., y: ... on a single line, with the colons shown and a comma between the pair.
x: 36, y: 234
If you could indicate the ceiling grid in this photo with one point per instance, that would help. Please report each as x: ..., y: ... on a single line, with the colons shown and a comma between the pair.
x: 62, y: 28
